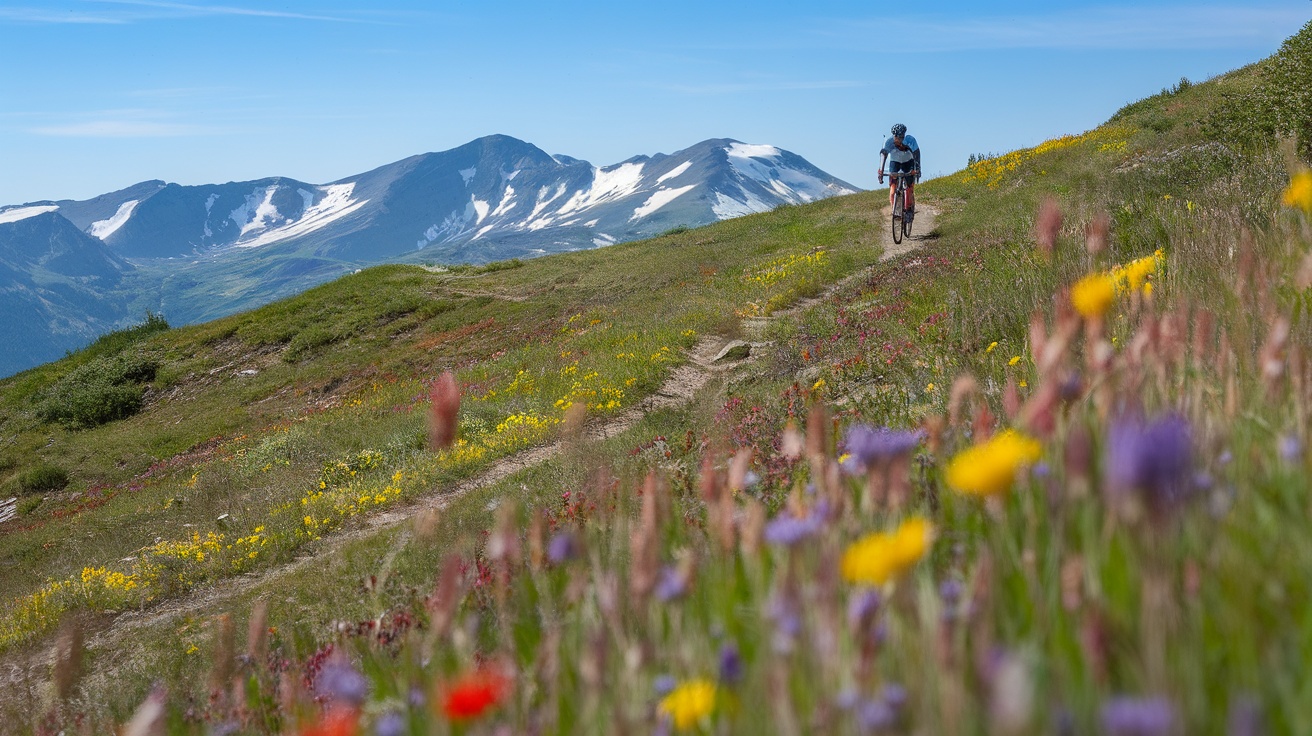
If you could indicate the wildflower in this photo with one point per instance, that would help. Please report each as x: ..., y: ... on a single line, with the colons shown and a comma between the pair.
x: 474, y: 694
x: 340, y: 683
x: 689, y: 703
x: 871, y: 448
x: 992, y: 345
x: 731, y: 665
x: 787, y: 530
x: 1092, y: 295
x: 1299, y: 193
x: 1152, y: 459
x: 336, y: 722
x: 1014, y: 360
x: 989, y: 469
x: 664, y: 685
x: 392, y: 724
x: 672, y: 584
x: 442, y: 413
x: 1138, y: 717
x: 1291, y: 448
x: 562, y: 548
x: 882, y: 557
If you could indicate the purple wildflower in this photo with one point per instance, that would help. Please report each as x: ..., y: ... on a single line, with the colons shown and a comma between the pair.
x: 1138, y: 717
x: 339, y: 682
x: 392, y: 724
x: 664, y: 685
x: 871, y: 448
x: 671, y: 585
x: 1153, y: 459
x: 875, y: 715
x: 783, y: 610
x: 787, y: 530
x: 863, y: 617
x: 893, y: 694
x: 731, y: 665
x: 562, y: 548
x: 1291, y: 448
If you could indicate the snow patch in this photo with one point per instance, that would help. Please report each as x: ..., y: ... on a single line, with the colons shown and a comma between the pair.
x: 727, y: 207
x: 659, y: 199
x: 257, y: 212
x: 603, y: 239
x: 481, y: 208
x: 674, y: 172
x: 468, y: 174
x: 335, y: 205
x: 507, y: 202
x: 22, y: 213
x: 751, y: 150
x: 607, y: 186
x: 104, y: 228
x: 482, y: 231
x: 209, y: 202
x: 591, y: 223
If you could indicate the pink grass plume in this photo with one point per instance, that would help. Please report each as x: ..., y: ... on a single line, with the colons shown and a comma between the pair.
x: 442, y: 423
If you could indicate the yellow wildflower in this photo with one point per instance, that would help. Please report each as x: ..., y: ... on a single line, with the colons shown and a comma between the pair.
x: 1299, y: 193
x: 884, y: 556
x: 1014, y: 360
x: 989, y: 469
x: 1092, y: 295
x: 1138, y: 271
x: 689, y: 703
x: 992, y: 345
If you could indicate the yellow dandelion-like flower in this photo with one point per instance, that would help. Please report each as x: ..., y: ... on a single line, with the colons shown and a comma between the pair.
x: 689, y: 703
x: 989, y: 469
x: 1138, y: 271
x: 1092, y: 295
x: 1299, y: 193
x: 930, y: 388
x: 992, y: 345
x: 885, y: 556
x: 1014, y: 360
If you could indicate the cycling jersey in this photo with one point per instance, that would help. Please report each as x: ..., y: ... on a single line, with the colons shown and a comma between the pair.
x: 897, y: 155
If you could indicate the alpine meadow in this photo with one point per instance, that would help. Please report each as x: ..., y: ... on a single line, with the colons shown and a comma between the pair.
x: 1043, y: 469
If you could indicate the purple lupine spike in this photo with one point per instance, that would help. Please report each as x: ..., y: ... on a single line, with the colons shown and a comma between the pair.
x: 873, y: 447
x: 731, y: 665
x: 340, y: 682
x: 1152, y: 459
x: 1125, y: 716
x: 562, y: 548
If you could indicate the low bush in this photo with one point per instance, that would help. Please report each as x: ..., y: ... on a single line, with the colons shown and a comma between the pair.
x: 43, y: 478
x: 101, y: 391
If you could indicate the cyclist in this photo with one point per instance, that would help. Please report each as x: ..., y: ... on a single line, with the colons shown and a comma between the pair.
x: 901, y: 154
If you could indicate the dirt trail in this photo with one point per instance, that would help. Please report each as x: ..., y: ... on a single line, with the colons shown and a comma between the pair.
x: 679, y: 389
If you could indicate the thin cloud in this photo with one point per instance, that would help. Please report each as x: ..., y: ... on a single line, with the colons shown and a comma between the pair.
x: 43, y: 15
x: 1100, y: 28
x: 123, y: 129
x: 210, y: 10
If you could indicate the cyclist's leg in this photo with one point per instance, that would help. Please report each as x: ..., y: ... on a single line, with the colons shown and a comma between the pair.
x: 892, y: 189
x: 911, y: 192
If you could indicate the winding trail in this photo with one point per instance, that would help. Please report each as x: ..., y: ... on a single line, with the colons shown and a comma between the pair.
x: 680, y: 388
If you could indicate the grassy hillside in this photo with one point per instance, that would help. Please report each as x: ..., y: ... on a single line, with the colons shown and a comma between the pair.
x: 1082, y: 510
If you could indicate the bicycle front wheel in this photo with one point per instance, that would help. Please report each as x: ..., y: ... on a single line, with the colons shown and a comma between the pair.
x: 897, y: 217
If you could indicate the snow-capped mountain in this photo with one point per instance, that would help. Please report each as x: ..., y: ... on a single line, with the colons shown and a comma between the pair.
x: 493, y: 198
x: 487, y: 190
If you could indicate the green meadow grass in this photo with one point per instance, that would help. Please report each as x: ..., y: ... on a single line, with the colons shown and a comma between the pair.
x: 266, y: 436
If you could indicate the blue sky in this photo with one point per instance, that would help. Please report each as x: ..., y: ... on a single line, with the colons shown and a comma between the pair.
x: 99, y: 94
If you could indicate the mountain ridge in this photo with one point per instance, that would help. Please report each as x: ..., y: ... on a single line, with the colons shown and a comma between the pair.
x: 203, y: 251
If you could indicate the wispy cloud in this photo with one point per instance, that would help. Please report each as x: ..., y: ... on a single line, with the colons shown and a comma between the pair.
x: 45, y: 15
x: 197, y: 9
x: 719, y: 88
x: 122, y: 128
x: 1094, y: 28
x: 119, y: 12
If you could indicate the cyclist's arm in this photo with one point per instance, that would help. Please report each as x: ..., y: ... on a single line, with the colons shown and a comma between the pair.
x: 883, y: 161
x: 917, y: 163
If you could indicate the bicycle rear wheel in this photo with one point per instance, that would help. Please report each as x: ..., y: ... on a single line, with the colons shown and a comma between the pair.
x: 897, y: 216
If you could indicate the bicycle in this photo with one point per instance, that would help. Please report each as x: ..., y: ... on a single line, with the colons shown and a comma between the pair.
x: 901, y: 224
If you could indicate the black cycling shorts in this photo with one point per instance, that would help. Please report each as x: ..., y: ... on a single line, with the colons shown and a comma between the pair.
x: 900, y: 166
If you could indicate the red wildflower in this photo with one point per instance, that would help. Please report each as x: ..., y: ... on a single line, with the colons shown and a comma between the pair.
x: 473, y: 694
x: 336, y: 722
x: 445, y: 396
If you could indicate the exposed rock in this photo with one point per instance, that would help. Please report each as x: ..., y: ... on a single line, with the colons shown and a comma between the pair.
x: 735, y: 350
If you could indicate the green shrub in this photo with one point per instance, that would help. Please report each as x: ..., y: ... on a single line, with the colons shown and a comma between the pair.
x: 101, y: 391
x: 43, y: 478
